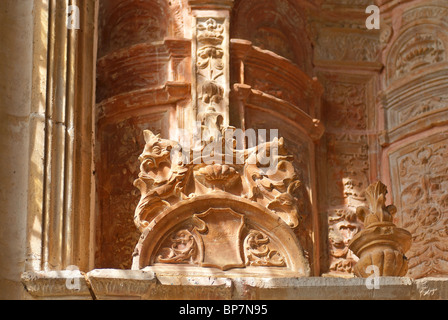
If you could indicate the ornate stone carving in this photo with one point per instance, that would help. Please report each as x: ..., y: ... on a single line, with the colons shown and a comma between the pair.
x: 165, y: 179
x: 220, y: 233
x: 161, y: 181
x: 258, y: 252
x: 183, y: 249
x: 349, y: 169
x: 423, y: 49
x: 347, y: 46
x: 214, y: 238
x: 435, y: 13
x: 212, y: 71
x: 343, y: 226
x: 381, y: 244
x: 423, y: 107
x: 348, y: 105
x: 421, y: 173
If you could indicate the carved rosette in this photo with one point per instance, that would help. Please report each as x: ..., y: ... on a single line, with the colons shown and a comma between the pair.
x: 381, y: 245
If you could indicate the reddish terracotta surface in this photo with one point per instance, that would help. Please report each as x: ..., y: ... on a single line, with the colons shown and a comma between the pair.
x: 376, y: 109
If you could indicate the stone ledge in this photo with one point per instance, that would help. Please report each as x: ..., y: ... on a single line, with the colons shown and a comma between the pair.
x: 107, y: 284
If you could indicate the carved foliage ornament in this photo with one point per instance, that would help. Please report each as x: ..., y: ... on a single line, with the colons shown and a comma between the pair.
x: 216, y: 239
x: 211, y: 72
x: 166, y: 179
x: 381, y: 244
x: 423, y: 180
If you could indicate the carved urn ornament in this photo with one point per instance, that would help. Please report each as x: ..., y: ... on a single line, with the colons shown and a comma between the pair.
x: 381, y: 245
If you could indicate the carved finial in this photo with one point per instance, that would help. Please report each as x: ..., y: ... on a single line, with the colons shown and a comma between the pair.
x: 381, y: 245
x: 377, y: 210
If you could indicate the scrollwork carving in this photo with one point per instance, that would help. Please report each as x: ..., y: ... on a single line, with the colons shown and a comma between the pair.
x: 258, y: 252
x: 183, y: 249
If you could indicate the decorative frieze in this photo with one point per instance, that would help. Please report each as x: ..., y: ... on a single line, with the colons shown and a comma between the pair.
x: 346, y: 45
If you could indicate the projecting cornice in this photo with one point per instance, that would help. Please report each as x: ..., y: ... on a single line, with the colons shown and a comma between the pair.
x: 211, y: 4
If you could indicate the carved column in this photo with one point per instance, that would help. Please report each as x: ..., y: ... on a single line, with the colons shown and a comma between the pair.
x: 381, y: 244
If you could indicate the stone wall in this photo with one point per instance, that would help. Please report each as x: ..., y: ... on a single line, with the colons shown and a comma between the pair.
x: 16, y: 121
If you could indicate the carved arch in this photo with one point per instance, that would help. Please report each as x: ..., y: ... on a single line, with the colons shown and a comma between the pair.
x: 259, y: 238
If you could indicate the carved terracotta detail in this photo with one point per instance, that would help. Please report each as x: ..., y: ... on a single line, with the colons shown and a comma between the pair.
x: 343, y: 226
x: 422, y: 13
x: 212, y: 71
x: 347, y: 46
x: 423, y: 107
x: 160, y: 180
x: 348, y: 167
x: 422, y: 50
x: 421, y: 171
x: 220, y: 233
x: 182, y: 249
x: 167, y: 181
x: 258, y: 252
x: 381, y: 244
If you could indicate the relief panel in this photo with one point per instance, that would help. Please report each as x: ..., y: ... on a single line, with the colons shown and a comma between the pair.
x: 348, y: 115
x: 419, y: 49
x: 420, y: 175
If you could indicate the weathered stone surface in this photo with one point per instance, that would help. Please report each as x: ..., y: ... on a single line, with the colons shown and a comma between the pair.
x: 381, y: 246
x: 162, y: 285
x: 56, y: 285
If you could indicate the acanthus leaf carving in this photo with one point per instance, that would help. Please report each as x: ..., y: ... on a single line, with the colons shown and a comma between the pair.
x: 381, y: 244
x: 166, y: 179
x: 159, y: 180
x: 258, y: 252
x: 422, y: 176
x: 183, y: 249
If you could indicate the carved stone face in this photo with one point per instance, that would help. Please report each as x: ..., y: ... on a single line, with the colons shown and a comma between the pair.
x: 156, y: 152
